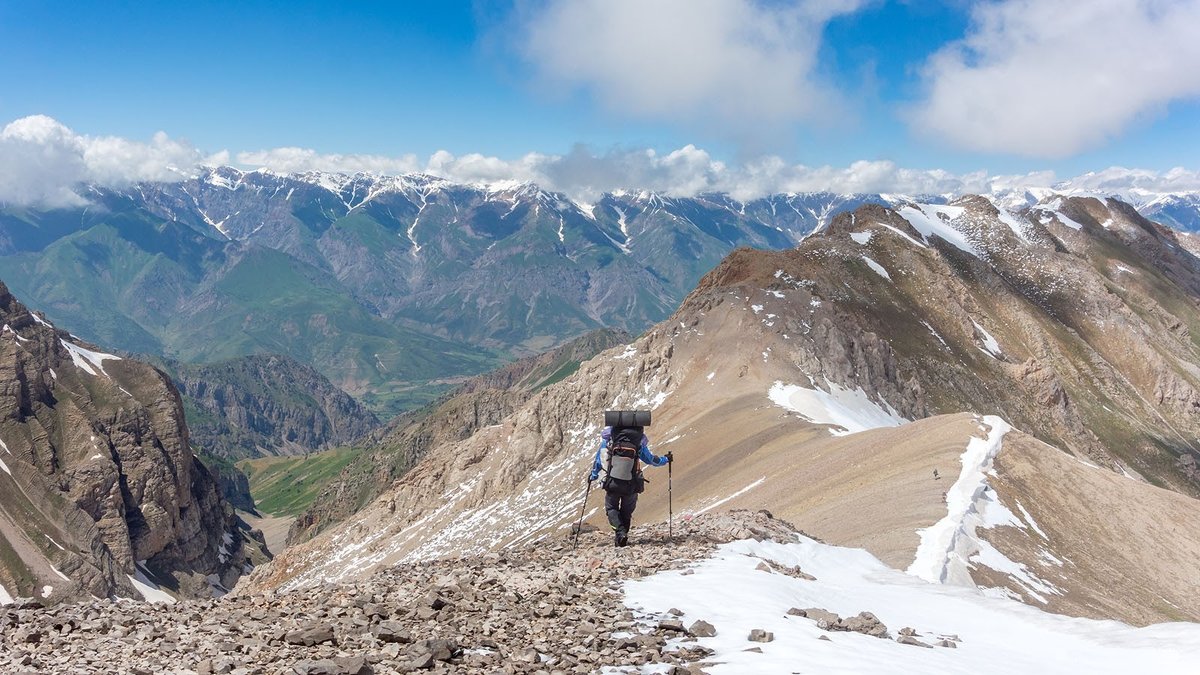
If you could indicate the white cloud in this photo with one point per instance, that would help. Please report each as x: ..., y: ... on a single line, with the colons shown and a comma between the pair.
x: 301, y: 160
x: 41, y: 160
x: 745, y: 67
x: 1120, y: 180
x: 1049, y: 78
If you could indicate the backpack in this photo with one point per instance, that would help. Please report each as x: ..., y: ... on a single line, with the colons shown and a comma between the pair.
x: 624, y: 475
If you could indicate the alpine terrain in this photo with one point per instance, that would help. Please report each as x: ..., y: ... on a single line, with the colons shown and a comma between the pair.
x: 1042, y: 362
x: 950, y: 434
x: 100, y: 494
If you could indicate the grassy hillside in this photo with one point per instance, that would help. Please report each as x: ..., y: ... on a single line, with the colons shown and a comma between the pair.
x: 286, y: 486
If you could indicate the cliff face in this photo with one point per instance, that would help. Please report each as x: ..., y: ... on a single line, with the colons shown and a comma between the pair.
x: 99, y: 483
x: 267, y: 405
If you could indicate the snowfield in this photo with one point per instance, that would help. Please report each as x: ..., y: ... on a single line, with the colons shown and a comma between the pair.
x: 85, y: 359
x: 848, y: 411
x: 998, y: 635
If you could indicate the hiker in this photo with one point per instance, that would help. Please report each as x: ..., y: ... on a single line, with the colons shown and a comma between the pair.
x: 618, y: 459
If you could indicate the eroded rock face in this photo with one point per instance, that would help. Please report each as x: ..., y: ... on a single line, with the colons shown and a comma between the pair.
x: 101, y: 475
x: 269, y: 404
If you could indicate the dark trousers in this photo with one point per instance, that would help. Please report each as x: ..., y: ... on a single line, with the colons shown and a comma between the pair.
x: 619, y: 509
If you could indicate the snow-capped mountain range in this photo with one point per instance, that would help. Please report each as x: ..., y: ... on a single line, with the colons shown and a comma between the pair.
x: 338, y: 270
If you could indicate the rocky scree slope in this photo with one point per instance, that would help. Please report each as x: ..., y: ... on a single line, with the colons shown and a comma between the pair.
x: 477, y: 403
x: 99, y: 485
x: 889, y: 316
x: 539, y: 609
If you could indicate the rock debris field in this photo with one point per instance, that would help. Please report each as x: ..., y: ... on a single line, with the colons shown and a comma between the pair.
x: 541, y: 609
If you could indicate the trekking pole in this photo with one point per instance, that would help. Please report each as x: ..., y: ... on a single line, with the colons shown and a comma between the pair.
x: 582, y: 506
x: 670, y: 504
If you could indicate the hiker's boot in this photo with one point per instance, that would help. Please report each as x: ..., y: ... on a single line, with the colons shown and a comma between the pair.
x: 622, y: 537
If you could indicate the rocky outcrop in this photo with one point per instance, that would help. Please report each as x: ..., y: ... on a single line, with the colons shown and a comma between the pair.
x: 100, y: 482
x: 267, y: 405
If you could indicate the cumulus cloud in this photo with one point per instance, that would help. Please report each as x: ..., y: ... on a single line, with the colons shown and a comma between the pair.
x: 301, y: 160
x: 747, y: 67
x: 1049, y: 78
x: 41, y: 161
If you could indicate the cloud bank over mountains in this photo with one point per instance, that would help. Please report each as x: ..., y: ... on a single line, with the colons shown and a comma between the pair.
x: 43, y: 162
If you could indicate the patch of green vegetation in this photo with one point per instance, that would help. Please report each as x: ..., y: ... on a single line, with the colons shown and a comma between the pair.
x: 569, y: 368
x: 287, y: 486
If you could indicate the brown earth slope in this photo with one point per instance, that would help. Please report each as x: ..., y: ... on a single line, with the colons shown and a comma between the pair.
x: 1073, y: 321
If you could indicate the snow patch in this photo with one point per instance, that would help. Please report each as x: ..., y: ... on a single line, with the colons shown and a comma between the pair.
x: 877, y: 268
x: 932, y: 219
x: 990, y: 346
x: 149, y: 590
x: 5, y: 598
x: 8, y: 329
x: 950, y: 546
x: 1018, y: 227
x: 848, y: 411
x: 999, y: 635
x: 936, y: 335
x: 1053, y: 210
x: 85, y: 359
x: 1029, y: 519
x: 861, y: 237
x: 5, y: 468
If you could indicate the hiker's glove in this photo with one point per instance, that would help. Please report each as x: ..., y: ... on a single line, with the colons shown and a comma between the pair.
x: 670, y: 457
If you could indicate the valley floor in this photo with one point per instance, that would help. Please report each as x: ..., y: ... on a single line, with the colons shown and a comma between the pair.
x: 274, y: 529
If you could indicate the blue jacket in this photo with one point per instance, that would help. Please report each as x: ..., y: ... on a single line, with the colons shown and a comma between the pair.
x: 644, y: 454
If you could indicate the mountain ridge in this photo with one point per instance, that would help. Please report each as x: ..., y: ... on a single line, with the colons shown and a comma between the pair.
x: 857, y: 354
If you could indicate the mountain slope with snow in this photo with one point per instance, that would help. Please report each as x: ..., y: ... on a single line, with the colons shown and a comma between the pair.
x: 100, y: 494
x: 735, y: 595
x: 339, y: 271
x: 805, y: 382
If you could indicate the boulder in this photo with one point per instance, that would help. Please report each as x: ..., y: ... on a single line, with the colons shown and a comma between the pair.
x: 759, y: 635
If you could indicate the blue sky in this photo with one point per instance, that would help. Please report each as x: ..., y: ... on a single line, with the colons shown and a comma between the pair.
x: 541, y: 76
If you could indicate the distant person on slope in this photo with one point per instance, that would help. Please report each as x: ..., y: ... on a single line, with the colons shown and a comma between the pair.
x: 617, y: 460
